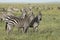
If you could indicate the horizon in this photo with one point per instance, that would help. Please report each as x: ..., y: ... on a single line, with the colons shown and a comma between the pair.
x: 29, y: 1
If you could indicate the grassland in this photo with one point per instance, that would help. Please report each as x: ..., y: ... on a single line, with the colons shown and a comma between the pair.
x: 49, y: 28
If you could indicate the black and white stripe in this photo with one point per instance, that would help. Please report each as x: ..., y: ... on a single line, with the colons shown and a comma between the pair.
x: 35, y: 22
x: 11, y: 19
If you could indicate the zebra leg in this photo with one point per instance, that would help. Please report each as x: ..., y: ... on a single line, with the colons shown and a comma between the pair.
x: 35, y: 27
x: 9, y: 28
x: 19, y: 29
x: 25, y: 29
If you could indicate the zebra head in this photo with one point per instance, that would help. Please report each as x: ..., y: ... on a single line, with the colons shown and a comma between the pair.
x: 24, y: 13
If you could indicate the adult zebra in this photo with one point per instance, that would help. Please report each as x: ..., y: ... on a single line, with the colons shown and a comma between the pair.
x: 18, y: 22
x: 35, y: 22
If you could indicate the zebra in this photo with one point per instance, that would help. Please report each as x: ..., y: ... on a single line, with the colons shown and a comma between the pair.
x: 12, y: 20
x: 35, y: 22
x: 18, y: 22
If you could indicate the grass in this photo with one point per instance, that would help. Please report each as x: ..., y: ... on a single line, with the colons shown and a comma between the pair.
x: 49, y: 28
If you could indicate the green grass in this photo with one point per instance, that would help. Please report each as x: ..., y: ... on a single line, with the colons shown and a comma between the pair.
x: 49, y: 28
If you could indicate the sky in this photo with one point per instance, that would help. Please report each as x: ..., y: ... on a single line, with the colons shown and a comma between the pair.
x: 28, y: 1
